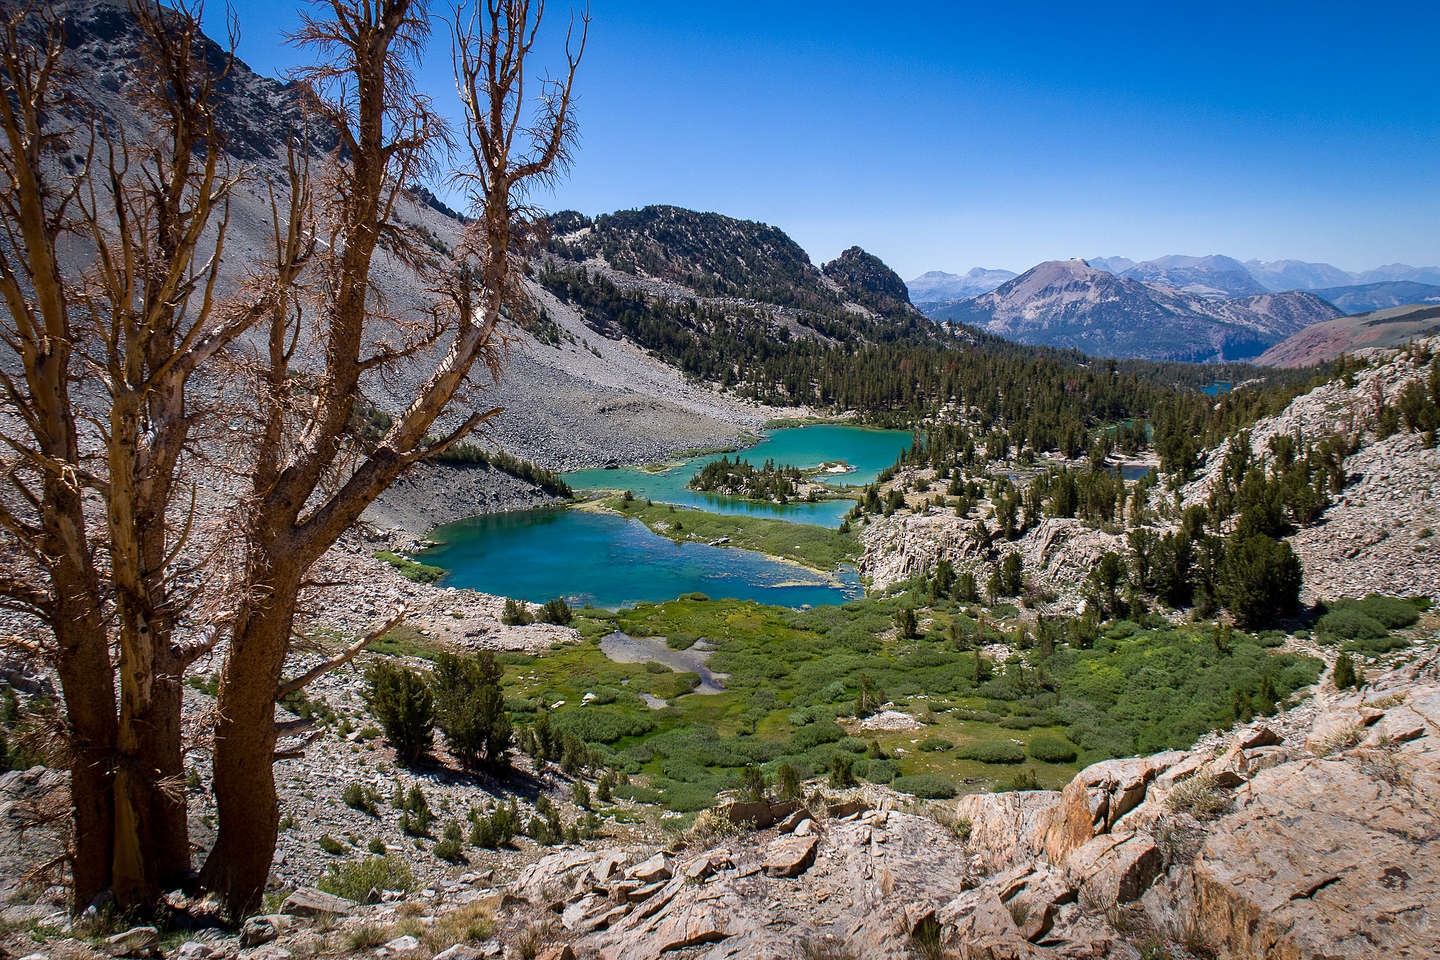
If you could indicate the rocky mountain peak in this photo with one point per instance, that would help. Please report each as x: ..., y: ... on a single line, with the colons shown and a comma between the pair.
x: 866, y: 280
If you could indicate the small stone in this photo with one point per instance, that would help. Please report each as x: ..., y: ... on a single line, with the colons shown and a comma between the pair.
x: 192, y: 950
x: 258, y: 930
x: 790, y: 857
x: 1258, y: 736
x: 789, y: 824
x: 402, y: 945
x: 465, y: 951
x: 135, y: 942
x: 638, y: 894
x: 804, y: 828
x: 651, y: 870
x: 847, y: 808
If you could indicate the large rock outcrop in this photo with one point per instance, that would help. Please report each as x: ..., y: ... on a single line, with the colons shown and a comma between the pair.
x: 1324, y: 843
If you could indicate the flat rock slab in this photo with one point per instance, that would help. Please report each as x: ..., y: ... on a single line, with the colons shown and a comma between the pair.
x: 655, y: 869
x: 791, y: 856
x: 1337, y: 858
x: 309, y: 902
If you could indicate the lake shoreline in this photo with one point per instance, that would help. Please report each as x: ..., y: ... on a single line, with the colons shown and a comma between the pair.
x: 731, y: 547
x: 600, y: 503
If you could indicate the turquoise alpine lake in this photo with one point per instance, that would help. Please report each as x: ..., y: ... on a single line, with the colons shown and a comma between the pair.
x: 611, y: 561
x: 865, y: 451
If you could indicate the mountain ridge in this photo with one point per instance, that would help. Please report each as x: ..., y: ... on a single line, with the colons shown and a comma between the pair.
x: 1073, y: 304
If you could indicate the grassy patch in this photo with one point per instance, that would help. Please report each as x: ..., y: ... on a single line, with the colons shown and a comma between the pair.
x: 789, y: 675
x: 816, y: 547
x: 412, y: 569
x: 403, y: 640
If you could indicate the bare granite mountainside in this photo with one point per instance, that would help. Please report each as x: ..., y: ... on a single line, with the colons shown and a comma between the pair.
x: 1321, y: 342
x: 1068, y: 303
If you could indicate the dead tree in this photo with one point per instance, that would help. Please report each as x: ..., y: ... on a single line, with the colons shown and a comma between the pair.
x: 310, y: 483
x: 104, y: 488
x: 51, y: 570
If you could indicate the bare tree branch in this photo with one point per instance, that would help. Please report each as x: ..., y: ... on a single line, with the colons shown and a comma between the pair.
x: 289, y: 687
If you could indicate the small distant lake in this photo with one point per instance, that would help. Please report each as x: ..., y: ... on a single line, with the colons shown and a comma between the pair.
x: 1216, y: 388
x: 867, y: 451
x: 611, y: 561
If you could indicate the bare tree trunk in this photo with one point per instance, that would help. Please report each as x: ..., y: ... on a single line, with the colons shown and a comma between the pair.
x: 145, y: 208
x: 244, y: 777
x: 387, y: 133
x: 82, y: 662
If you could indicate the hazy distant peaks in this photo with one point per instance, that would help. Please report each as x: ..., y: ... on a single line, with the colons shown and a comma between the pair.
x: 1115, y: 265
x: 938, y: 285
x: 1214, y: 276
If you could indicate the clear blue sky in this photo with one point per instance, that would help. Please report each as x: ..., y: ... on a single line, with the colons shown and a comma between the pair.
x: 946, y: 136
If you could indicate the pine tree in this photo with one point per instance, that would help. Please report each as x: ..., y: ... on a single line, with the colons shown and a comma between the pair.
x: 401, y: 700
x: 752, y: 783
x: 1259, y: 579
x: 470, y: 707
x: 787, y: 782
x: 1344, y: 672
x: 515, y: 613
x: 905, y: 623
x: 868, y: 700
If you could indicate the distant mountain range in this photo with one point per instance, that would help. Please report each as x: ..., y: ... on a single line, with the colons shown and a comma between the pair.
x: 1364, y: 297
x: 938, y: 285
x: 1215, y: 276
x: 1170, y: 308
x: 1069, y: 303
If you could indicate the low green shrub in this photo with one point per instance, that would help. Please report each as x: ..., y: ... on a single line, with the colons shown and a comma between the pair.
x: 1026, y: 722
x: 602, y: 724
x: 1390, y: 611
x: 935, y: 744
x: 1348, y: 623
x: 993, y: 751
x: 636, y: 793
x: 925, y: 785
x: 355, y: 879
x: 877, y: 771
x: 1051, y: 749
x: 1377, y: 645
x: 515, y: 613
x: 813, y: 734
x: 689, y: 797
x: 357, y: 797
x: 557, y: 611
